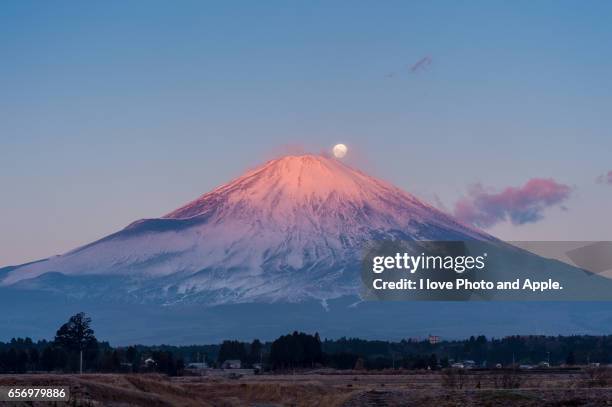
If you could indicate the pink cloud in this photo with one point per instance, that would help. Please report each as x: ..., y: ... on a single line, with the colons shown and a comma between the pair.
x: 605, y: 178
x: 484, y: 208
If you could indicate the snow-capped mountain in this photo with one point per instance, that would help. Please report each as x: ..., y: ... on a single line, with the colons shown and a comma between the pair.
x: 290, y: 230
x: 259, y: 256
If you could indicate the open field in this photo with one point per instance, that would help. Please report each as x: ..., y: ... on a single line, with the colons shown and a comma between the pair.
x: 328, y: 388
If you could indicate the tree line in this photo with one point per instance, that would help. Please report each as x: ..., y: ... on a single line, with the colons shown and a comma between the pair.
x: 75, y: 345
x: 291, y: 351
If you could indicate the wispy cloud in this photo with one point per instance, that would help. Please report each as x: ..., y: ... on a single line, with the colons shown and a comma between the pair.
x: 421, y: 64
x: 605, y: 178
x: 484, y: 207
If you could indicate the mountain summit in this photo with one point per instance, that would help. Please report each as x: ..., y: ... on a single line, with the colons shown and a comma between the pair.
x: 290, y: 230
x: 312, y: 192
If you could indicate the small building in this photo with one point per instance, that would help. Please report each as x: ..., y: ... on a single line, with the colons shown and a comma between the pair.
x: 232, y: 364
x: 434, y: 339
x: 149, y: 362
x: 469, y: 364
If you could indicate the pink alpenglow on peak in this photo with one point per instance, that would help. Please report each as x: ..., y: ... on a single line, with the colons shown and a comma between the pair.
x: 307, y: 189
x: 306, y: 180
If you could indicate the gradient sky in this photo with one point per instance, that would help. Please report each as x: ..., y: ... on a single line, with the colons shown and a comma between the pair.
x: 116, y: 111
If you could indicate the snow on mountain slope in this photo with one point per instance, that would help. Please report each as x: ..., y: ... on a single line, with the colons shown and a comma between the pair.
x: 289, y: 230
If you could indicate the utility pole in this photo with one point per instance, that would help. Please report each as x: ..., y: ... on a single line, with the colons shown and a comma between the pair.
x: 81, y: 361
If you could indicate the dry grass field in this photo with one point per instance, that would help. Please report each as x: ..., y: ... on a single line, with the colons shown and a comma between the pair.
x: 328, y: 388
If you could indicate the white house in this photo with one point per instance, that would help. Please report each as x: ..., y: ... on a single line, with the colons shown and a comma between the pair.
x: 232, y: 364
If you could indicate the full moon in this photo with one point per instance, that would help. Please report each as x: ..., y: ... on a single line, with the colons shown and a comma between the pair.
x: 339, y: 150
